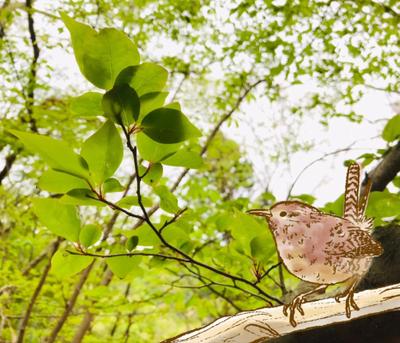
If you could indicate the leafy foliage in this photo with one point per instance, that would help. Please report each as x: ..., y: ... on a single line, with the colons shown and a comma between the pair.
x: 199, y: 253
x: 100, y: 56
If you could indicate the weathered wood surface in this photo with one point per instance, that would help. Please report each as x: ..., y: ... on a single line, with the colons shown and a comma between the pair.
x: 264, y: 324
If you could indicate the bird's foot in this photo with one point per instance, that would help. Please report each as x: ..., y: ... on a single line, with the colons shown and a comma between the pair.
x: 294, y: 305
x: 350, y: 303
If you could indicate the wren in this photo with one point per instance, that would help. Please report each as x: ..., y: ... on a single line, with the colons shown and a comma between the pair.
x: 322, y: 248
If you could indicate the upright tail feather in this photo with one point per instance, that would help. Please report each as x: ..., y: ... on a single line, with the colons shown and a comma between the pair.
x: 351, y: 196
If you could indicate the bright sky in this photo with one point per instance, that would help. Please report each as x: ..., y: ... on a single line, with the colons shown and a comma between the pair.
x: 324, y: 179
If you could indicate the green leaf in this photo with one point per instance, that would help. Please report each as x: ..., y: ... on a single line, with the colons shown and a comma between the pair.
x: 59, y: 218
x: 391, y: 131
x: 168, y: 201
x: 131, y: 243
x: 100, y: 56
x: 261, y: 248
x: 150, y: 102
x: 174, y: 106
x: 121, y: 266
x: 58, y: 182
x: 146, y: 236
x: 89, y: 235
x: 144, y: 78
x: 383, y: 205
x: 167, y: 126
x: 175, y: 235
x: 87, y: 105
x: 56, y: 153
x: 81, y: 197
x: 185, y: 158
x: 152, y: 151
x: 154, y: 174
x: 131, y: 200
x: 307, y: 198
x: 244, y: 228
x: 335, y: 207
x: 103, y: 152
x: 64, y: 264
x: 121, y: 104
x: 112, y: 185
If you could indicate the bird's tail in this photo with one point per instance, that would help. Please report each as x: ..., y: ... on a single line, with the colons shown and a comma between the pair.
x: 351, y: 195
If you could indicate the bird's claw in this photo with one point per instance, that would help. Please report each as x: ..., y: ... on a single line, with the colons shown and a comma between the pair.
x: 294, y: 305
x: 350, y: 303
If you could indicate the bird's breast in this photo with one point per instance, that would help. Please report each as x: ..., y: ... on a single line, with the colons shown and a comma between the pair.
x: 302, y: 249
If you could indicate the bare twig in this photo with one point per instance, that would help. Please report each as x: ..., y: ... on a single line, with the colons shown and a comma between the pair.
x: 166, y: 257
x: 33, y: 68
x: 41, y: 256
x: 25, y: 319
x: 70, y: 304
x: 338, y: 151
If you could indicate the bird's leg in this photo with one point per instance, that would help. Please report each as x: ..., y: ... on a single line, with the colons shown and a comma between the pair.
x: 349, y: 294
x: 297, y: 302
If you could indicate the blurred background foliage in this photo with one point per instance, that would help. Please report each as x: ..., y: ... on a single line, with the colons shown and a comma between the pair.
x: 224, y: 59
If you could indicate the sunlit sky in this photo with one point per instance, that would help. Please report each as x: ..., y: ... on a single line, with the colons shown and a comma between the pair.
x: 324, y: 179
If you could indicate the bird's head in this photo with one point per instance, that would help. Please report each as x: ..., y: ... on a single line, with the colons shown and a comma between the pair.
x: 284, y: 213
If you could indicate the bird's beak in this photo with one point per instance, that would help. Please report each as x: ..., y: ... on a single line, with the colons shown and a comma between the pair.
x: 260, y: 213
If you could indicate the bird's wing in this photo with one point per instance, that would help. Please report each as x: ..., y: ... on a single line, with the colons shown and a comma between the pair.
x: 355, y: 243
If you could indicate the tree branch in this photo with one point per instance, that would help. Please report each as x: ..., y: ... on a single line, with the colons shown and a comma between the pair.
x: 266, y: 324
x: 167, y: 257
x: 24, y: 321
x: 386, y: 170
x: 85, y: 324
x: 33, y: 68
x: 10, y: 159
x: 70, y: 304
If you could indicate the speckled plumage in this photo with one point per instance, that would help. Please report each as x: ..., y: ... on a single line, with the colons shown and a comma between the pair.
x: 323, y: 248
x: 319, y: 247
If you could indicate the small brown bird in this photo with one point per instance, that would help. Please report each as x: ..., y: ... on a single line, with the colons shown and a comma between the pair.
x: 321, y: 248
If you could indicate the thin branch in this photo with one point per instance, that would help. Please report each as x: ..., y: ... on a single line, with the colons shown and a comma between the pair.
x: 41, y: 256
x: 33, y: 68
x: 10, y: 159
x: 312, y: 163
x: 167, y: 257
x: 70, y: 304
x: 24, y: 321
x: 29, y: 97
x: 226, y: 298
x: 175, y: 249
x: 115, y: 326
x: 87, y: 320
x: 89, y: 317
x: 386, y: 8
x: 116, y: 207
x: 225, y: 117
x: 107, y: 277
x: 266, y: 273
x: 4, y: 6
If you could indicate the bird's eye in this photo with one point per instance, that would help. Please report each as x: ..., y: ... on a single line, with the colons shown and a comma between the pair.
x: 283, y: 213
